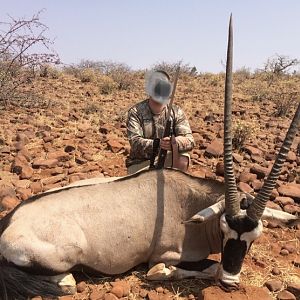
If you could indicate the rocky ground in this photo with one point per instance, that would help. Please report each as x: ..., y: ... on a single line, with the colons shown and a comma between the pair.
x: 81, y: 134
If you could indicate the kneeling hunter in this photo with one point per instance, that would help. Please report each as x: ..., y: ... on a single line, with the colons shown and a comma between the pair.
x: 146, y: 123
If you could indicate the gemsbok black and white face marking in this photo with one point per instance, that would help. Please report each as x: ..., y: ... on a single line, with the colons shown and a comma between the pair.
x: 239, y: 232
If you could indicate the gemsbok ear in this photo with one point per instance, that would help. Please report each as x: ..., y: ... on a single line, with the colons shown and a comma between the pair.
x: 281, y: 217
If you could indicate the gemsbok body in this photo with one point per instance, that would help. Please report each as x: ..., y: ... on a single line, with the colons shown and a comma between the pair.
x: 165, y: 218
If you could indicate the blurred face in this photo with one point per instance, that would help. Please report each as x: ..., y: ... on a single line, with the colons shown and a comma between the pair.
x: 156, y: 107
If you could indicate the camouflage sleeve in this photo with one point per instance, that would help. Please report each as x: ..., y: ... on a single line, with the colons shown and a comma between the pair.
x: 141, y: 148
x: 183, y: 132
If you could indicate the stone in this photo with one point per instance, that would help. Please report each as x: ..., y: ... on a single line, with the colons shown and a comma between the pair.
x: 274, y: 285
x: 260, y: 171
x: 244, y: 187
x: 256, y: 184
x: 284, y: 252
x: 292, y: 209
x: 291, y: 156
x: 159, y: 289
x: 143, y: 293
x: 36, y: 187
x: 290, y: 190
x: 286, y: 295
x: 45, y: 163
x: 153, y: 295
x: 214, y: 149
x: 9, y: 202
x: 237, y: 158
x: 276, y: 271
x: 81, y: 287
x: 23, y: 193
x: 114, y: 145
x: 6, y: 190
x: 294, y: 288
x: 247, y: 293
x: 53, y: 179
x: 271, y: 204
x: 69, y: 148
x: 253, y: 150
x: 220, y: 168
x: 296, y: 262
x: 60, y: 155
x: 284, y: 200
x: 99, y: 295
x: 247, y: 177
x: 289, y: 247
x: 120, y: 288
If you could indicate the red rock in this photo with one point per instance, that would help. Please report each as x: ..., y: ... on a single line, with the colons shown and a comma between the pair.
x: 271, y: 204
x: 24, y: 193
x: 247, y: 177
x: 44, y: 163
x: 253, y: 150
x: 81, y: 287
x: 60, y: 155
x: 237, y: 158
x: 291, y: 156
x: 99, y: 295
x: 69, y: 148
x: 260, y: 171
x: 21, y: 137
x: 110, y: 296
x: 289, y: 247
x: 7, y: 191
x: 9, y: 202
x: 284, y: 252
x: 291, y: 190
x: 159, y: 289
x: 274, y: 285
x: 256, y: 184
x: 286, y: 295
x: 244, y: 187
x: 143, y: 293
x: 296, y: 262
x: 114, y: 145
x: 248, y: 293
x: 153, y: 295
x: 36, y: 187
x: 53, y: 179
x: 120, y: 288
x: 214, y: 149
x: 220, y: 168
x: 284, y: 200
x: 276, y: 271
x: 292, y: 209
x: 294, y: 288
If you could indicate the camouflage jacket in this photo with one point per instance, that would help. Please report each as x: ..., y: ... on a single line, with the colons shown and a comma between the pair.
x: 143, y: 126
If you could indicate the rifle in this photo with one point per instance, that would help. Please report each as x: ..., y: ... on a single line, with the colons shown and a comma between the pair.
x: 167, y: 131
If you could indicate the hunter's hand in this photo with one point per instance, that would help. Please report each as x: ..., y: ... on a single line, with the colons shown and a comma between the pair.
x: 165, y: 144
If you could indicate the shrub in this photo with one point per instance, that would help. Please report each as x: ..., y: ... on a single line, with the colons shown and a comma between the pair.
x: 170, y: 68
x: 18, y: 59
x: 242, y: 131
x: 106, y: 84
x: 87, y: 75
x: 48, y: 71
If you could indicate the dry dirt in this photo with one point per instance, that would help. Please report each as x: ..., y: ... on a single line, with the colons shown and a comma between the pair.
x: 81, y: 134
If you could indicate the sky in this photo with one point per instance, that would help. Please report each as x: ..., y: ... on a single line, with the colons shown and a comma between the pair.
x: 142, y: 33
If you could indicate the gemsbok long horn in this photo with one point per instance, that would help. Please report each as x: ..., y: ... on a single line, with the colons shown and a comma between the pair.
x: 232, y: 206
x: 255, y: 211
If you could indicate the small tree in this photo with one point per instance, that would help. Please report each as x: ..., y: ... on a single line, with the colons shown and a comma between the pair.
x: 24, y: 48
x: 280, y: 64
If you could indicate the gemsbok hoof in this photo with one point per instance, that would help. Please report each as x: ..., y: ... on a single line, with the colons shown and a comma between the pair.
x: 159, y: 272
